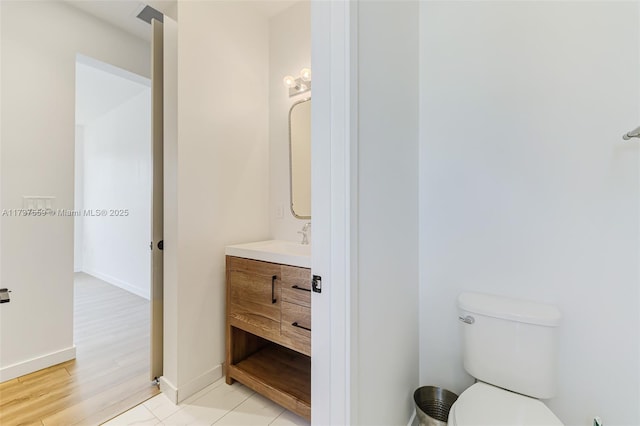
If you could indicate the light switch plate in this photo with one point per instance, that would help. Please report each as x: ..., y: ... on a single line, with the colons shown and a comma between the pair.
x: 38, y: 202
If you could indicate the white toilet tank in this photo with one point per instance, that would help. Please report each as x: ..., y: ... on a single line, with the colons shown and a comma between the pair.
x: 510, y: 343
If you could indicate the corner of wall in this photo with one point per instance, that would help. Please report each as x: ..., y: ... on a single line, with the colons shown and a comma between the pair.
x: 178, y: 394
x: 169, y: 389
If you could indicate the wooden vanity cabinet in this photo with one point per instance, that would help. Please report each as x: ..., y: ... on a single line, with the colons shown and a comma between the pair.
x: 268, y: 331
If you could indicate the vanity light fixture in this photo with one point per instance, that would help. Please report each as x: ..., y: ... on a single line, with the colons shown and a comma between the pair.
x: 300, y: 84
x: 305, y: 74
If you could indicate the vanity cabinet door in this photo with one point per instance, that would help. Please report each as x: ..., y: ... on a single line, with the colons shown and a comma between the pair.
x: 253, y: 296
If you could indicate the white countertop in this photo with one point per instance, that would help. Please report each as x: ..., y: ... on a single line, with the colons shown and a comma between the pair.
x: 275, y: 251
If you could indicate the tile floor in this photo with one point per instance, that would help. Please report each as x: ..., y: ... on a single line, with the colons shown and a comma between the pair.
x: 218, y: 404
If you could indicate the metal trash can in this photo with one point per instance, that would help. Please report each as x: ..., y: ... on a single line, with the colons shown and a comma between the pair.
x: 433, y: 405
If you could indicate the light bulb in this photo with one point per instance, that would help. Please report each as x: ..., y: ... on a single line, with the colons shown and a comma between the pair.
x: 289, y: 81
x: 305, y: 74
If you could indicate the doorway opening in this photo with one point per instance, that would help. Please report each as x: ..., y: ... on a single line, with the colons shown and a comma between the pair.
x: 112, y: 214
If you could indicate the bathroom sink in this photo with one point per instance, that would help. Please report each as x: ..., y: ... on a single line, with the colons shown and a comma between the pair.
x: 276, y: 251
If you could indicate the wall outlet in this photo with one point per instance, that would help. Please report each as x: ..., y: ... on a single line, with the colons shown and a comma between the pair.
x: 279, y: 211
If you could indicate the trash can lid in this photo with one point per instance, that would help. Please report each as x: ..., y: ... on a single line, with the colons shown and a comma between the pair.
x: 483, y: 404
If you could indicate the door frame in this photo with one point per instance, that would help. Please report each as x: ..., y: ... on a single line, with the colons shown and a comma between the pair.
x: 334, y: 154
x: 157, y: 201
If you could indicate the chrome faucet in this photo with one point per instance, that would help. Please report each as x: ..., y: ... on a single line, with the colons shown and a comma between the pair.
x: 305, y: 233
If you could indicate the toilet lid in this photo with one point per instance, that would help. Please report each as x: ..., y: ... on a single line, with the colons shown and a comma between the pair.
x: 483, y: 405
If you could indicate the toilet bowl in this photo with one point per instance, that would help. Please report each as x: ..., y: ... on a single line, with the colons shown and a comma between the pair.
x: 486, y: 405
x: 509, y: 347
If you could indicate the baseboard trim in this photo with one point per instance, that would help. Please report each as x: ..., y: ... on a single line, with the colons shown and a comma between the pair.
x: 199, y: 383
x: 413, y: 419
x: 29, y: 366
x: 168, y: 389
x: 119, y: 283
x: 177, y: 395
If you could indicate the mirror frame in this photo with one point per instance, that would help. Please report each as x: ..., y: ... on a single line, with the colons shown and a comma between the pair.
x: 307, y: 99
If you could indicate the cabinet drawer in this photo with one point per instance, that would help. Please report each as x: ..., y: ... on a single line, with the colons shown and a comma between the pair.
x: 293, y: 275
x: 296, y: 324
x: 296, y: 294
x: 296, y: 285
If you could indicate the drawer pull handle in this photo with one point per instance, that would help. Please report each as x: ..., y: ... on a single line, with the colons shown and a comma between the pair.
x: 295, y: 324
x: 273, y: 288
x: 300, y: 288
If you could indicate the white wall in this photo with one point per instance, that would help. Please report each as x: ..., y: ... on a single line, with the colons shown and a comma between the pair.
x: 387, y: 227
x: 527, y: 189
x: 222, y: 163
x: 289, y: 52
x: 39, y: 43
x: 117, y: 178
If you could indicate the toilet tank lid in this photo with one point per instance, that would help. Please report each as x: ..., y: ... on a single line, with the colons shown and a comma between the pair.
x: 510, y: 309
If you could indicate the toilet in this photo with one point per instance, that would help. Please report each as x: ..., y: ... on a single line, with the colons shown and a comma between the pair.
x: 509, y: 347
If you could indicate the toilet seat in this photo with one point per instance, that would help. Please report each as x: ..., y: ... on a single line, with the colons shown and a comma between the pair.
x: 484, y: 405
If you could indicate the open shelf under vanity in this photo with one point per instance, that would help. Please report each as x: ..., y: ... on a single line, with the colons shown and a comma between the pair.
x: 280, y: 373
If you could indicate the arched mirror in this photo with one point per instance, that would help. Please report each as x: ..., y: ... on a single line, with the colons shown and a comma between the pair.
x: 300, y: 158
